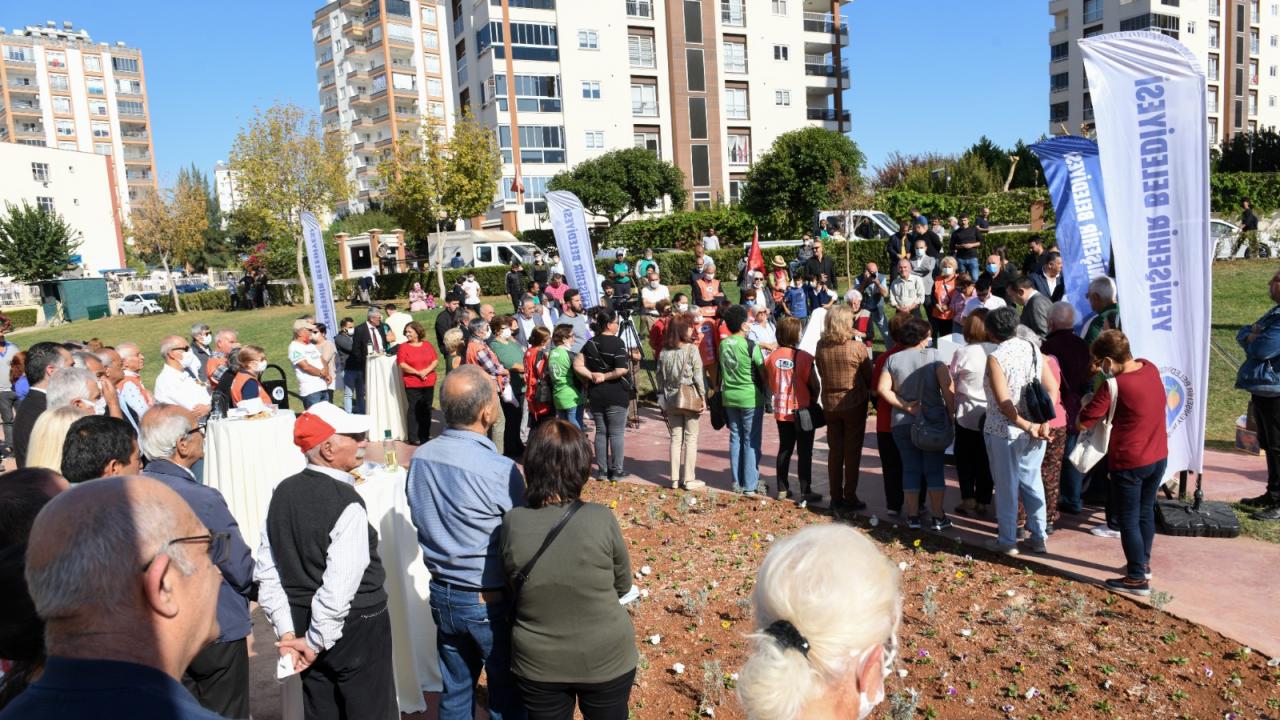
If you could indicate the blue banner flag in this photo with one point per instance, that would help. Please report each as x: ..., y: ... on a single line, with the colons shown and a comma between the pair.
x: 1074, y: 176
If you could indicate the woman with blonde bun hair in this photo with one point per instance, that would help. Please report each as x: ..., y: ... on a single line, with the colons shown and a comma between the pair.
x: 826, y: 607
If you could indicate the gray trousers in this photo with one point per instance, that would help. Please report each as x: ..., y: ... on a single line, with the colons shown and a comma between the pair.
x: 610, y: 426
x: 8, y: 405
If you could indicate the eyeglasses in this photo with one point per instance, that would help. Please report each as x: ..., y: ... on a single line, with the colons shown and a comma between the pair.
x: 183, y: 349
x: 358, y: 437
x: 200, y: 428
x: 219, y: 547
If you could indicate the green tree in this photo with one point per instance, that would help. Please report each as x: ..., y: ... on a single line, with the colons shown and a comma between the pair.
x: 216, y: 252
x: 790, y: 183
x: 1027, y: 172
x: 285, y: 165
x: 992, y: 155
x: 415, y: 175
x: 171, y: 225
x: 971, y: 175
x: 472, y: 171
x: 621, y: 183
x: 35, y: 244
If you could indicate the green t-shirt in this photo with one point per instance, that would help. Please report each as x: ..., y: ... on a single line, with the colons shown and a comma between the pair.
x: 564, y: 386
x: 621, y: 272
x: 510, y: 354
x: 740, y: 391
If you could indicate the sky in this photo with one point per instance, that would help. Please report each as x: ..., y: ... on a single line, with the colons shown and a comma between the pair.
x: 926, y: 75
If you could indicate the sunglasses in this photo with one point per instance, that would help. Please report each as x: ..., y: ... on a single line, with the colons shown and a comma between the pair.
x: 219, y: 547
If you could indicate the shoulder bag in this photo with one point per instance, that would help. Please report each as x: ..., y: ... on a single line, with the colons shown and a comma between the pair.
x: 542, y: 391
x: 1091, y: 445
x: 930, y: 435
x: 715, y: 400
x: 689, y: 398
x: 521, y: 576
x: 1034, y: 397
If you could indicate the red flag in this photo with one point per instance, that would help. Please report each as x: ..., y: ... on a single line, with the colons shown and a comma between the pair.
x: 755, y: 258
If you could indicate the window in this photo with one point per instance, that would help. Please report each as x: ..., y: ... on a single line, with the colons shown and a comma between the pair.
x: 702, y: 200
x: 1212, y: 97
x: 1058, y: 112
x: 640, y: 51
x: 733, y: 12
x: 435, y: 88
x: 735, y: 57
x: 1213, y: 67
x: 40, y: 172
x: 779, y: 7
x: 429, y: 15
x: 95, y: 86
x: 1167, y: 24
x: 403, y: 81
x: 701, y: 165
x: 588, y: 40
x: 431, y: 63
x: 1092, y: 10
x: 782, y: 98
x: 534, y: 93
x: 1215, y: 30
x: 739, y: 149
x: 538, y: 143
x: 1253, y: 102
x: 56, y: 59
x: 529, y: 41
x: 1272, y: 71
x: 695, y: 71
x: 535, y: 191
x: 59, y: 82
x: 1059, y: 82
x: 29, y: 127
x: 19, y: 54
x: 590, y: 89
x: 648, y: 140
x: 1093, y: 30
x: 125, y: 86
x: 644, y: 100
x: 698, y: 118
x: 735, y: 103
x: 640, y: 8
x: 1191, y: 27
x: 124, y: 64
x: 102, y: 148
x: 1253, y: 41
x: 1275, y: 41
x: 44, y: 203
x: 692, y: 21
x: 735, y: 190
x: 1087, y: 105
x: 595, y: 139
x: 68, y: 146
x: 1271, y: 101
x: 781, y: 52
x: 129, y: 107
x: 1253, y: 72
x: 62, y: 104
x: 1058, y: 53
x: 430, y: 40
x: 98, y: 108
x: 66, y: 128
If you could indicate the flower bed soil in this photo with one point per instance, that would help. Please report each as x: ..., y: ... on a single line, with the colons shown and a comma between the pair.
x: 983, y: 636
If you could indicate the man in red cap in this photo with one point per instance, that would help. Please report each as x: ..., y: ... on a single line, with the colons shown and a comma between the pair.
x: 320, y: 579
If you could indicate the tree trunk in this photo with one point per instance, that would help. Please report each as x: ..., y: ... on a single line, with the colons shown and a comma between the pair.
x: 173, y: 289
x: 440, y: 261
x: 302, y: 275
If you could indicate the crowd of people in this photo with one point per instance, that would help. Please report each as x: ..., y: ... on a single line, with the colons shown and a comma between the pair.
x: 127, y: 580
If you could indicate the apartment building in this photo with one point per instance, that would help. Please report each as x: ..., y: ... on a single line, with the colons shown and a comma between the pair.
x: 224, y: 182
x: 705, y: 84
x: 59, y: 89
x: 1236, y: 41
x: 380, y: 73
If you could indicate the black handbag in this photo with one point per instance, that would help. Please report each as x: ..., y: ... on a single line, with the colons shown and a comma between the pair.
x: 811, y: 418
x: 1034, y: 397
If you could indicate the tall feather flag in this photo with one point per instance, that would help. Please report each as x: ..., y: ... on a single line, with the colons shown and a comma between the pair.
x: 755, y: 258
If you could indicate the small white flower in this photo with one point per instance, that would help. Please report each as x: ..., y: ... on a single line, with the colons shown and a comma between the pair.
x: 1010, y: 593
x: 655, y: 639
x: 1274, y: 662
x: 646, y: 570
x: 691, y: 501
x: 709, y: 711
x: 715, y: 584
x: 644, y: 592
x: 902, y: 672
x: 1106, y: 684
x: 902, y: 565
x: 662, y: 496
x: 734, y: 676
x: 678, y: 668
x: 873, y: 521
x: 966, y: 632
x: 768, y: 537
x: 1032, y: 693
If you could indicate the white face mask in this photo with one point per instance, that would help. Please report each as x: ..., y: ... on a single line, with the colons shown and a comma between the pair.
x: 682, y: 308
x: 919, y: 252
x: 100, y: 406
x: 206, y: 339
x: 350, y: 331
x: 260, y: 367
x: 948, y: 271
x: 505, y: 334
x: 189, y: 358
x: 653, y: 284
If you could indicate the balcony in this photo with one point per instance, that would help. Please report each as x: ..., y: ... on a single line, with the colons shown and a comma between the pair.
x: 143, y: 158
x: 399, y: 10
x: 137, y: 176
x: 135, y: 137
x: 822, y: 66
x: 24, y: 107
x: 826, y: 114
x: 733, y: 13
x: 38, y: 130
x: 644, y: 109
x: 21, y: 59
x: 823, y: 23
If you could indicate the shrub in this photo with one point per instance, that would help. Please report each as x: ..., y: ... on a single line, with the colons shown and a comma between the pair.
x: 681, y: 229
x: 1226, y: 190
x: 23, y: 318
x: 1011, y: 208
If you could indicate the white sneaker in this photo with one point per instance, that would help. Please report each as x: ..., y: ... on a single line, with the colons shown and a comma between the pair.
x: 694, y: 485
x: 1104, y: 531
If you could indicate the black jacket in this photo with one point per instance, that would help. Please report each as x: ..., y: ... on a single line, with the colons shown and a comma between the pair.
x: 24, y: 421
x: 360, y: 346
x: 445, y: 321
x: 515, y: 285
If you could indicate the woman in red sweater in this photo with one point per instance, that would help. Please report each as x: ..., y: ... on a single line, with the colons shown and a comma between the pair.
x: 1137, y: 452
x: 535, y: 363
x: 417, y: 359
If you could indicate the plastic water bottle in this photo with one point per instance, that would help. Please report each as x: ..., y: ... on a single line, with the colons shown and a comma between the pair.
x: 389, y: 451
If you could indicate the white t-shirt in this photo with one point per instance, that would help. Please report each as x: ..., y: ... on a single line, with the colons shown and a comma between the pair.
x: 397, y: 321
x: 710, y: 242
x: 471, y: 289
x: 309, y: 354
x: 651, y: 296
x: 993, y: 302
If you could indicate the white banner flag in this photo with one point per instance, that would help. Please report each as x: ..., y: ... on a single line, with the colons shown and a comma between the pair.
x: 573, y: 240
x: 321, y: 286
x: 1148, y: 95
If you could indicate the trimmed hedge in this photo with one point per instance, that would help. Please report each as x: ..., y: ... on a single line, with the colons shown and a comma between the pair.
x: 213, y: 299
x: 1227, y: 190
x: 1011, y: 208
x: 24, y: 318
x: 682, y: 229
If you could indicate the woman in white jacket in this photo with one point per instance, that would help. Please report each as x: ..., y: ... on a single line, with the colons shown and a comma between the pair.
x: 968, y: 368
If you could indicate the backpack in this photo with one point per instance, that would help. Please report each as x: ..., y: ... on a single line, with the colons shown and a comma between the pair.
x: 542, y: 388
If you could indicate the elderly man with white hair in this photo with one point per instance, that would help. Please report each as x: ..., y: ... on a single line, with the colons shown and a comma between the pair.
x: 219, y: 676
x: 76, y: 386
x: 178, y: 384
x: 134, y: 397
x: 861, y: 316
x: 226, y: 344
x: 96, y: 365
x: 1102, y: 299
x: 761, y: 330
x: 201, y: 351
x: 320, y: 578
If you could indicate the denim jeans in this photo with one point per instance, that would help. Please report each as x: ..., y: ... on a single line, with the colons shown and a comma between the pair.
x: 1135, y: 492
x: 882, y: 324
x: 340, y: 386
x: 1072, y: 479
x: 969, y: 265
x: 472, y: 635
x: 745, y: 428
x: 573, y: 415
x: 318, y: 396
x: 920, y: 470
x: 610, y: 423
x: 355, y: 381
x: 1015, y: 472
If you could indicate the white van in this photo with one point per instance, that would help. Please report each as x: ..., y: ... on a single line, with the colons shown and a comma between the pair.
x: 480, y: 248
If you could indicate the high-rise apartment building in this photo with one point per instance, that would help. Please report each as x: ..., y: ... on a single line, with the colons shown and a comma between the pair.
x: 1236, y: 41
x: 60, y: 89
x: 380, y: 72
x: 705, y: 84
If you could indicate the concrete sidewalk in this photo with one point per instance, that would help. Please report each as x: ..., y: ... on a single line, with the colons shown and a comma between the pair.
x: 1227, y: 585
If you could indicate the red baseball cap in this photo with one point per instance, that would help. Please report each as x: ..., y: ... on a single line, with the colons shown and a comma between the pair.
x: 324, y: 420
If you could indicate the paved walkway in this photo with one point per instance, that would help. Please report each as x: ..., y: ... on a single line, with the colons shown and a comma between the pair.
x: 1227, y: 585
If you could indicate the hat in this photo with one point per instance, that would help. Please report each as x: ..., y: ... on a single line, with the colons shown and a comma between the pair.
x: 922, y: 220
x: 779, y: 262
x: 324, y: 420
x: 303, y: 324
x: 621, y: 252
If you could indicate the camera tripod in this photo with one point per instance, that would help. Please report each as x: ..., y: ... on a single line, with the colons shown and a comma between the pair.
x: 627, y: 331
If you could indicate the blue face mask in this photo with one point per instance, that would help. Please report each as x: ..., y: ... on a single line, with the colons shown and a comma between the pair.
x: 993, y: 268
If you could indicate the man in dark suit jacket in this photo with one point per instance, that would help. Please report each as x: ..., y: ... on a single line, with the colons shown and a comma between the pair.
x: 219, y: 676
x: 43, y: 359
x: 369, y: 335
x: 1048, y: 279
x: 1035, y: 306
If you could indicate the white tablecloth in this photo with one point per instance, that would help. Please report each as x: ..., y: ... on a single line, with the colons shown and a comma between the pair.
x: 245, y: 460
x: 413, y: 649
x: 385, y: 402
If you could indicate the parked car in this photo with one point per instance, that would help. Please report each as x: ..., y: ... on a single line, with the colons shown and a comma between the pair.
x: 186, y: 288
x: 139, y: 304
x: 1227, y: 243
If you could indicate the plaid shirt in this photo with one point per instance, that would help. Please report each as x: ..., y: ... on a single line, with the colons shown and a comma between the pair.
x: 845, y: 370
x: 479, y: 354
